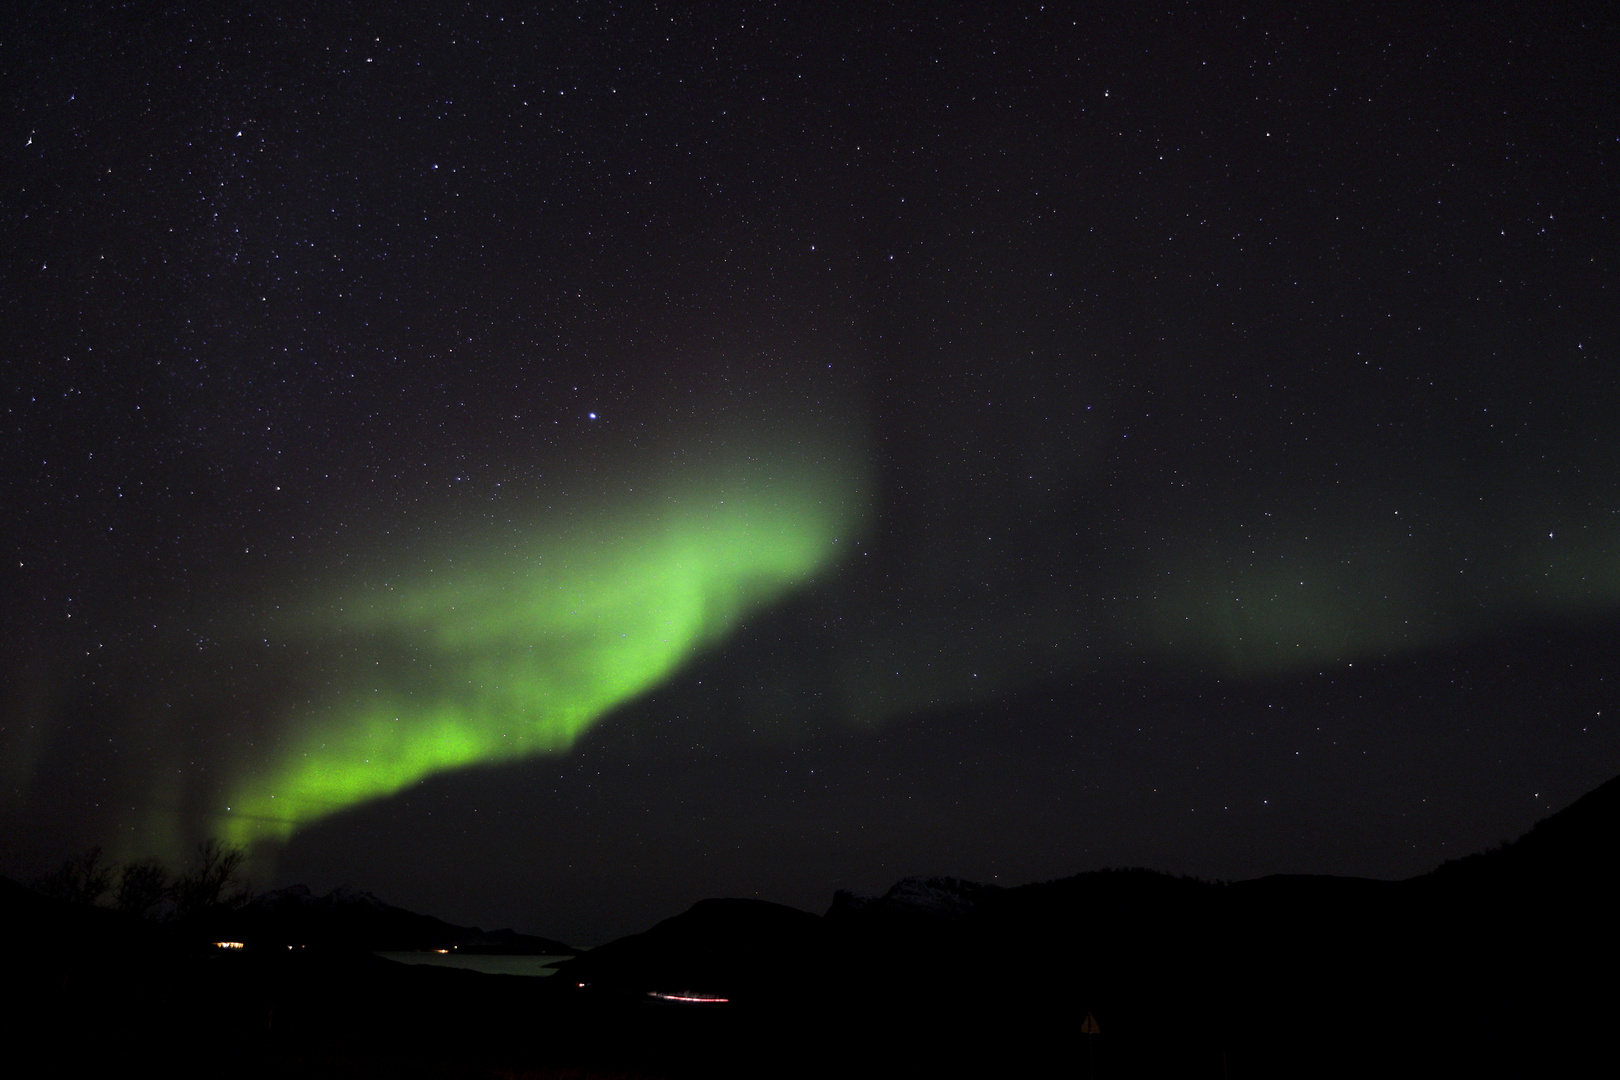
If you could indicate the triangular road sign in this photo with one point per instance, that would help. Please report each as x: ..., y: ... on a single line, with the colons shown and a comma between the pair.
x: 1089, y: 1026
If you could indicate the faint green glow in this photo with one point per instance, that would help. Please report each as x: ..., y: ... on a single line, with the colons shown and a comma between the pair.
x: 1255, y: 608
x: 1263, y: 620
x: 494, y: 649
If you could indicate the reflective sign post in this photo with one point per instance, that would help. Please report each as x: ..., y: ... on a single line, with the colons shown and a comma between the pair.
x: 1089, y: 1027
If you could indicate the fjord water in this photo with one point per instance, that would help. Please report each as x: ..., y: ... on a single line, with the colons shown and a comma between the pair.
x: 489, y: 964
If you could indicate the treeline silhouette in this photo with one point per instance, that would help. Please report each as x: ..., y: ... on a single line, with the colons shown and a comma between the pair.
x: 209, y: 883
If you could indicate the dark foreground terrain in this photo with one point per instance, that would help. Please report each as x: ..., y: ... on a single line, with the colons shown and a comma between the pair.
x: 1501, y: 964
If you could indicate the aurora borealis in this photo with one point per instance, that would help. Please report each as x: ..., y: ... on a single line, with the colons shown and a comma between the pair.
x: 551, y: 467
x: 488, y: 657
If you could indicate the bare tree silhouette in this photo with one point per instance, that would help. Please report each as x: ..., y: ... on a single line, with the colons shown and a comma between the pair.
x: 212, y: 882
x: 142, y: 886
x: 82, y: 879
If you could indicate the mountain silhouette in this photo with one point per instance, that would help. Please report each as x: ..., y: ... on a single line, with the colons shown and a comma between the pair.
x: 350, y: 918
x: 1491, y: 965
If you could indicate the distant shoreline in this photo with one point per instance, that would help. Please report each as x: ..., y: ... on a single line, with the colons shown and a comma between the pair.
x: 488, y: 963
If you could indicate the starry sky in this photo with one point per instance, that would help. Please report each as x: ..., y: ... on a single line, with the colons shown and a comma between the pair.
x: 550, y: 466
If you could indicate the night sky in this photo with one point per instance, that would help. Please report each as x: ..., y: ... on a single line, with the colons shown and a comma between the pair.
x: 548, y: 468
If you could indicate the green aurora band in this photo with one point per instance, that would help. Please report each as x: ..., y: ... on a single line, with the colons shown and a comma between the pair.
x: 496, y: 651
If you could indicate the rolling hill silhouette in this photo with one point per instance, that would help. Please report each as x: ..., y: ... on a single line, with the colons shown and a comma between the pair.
x: 1494, y: 964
